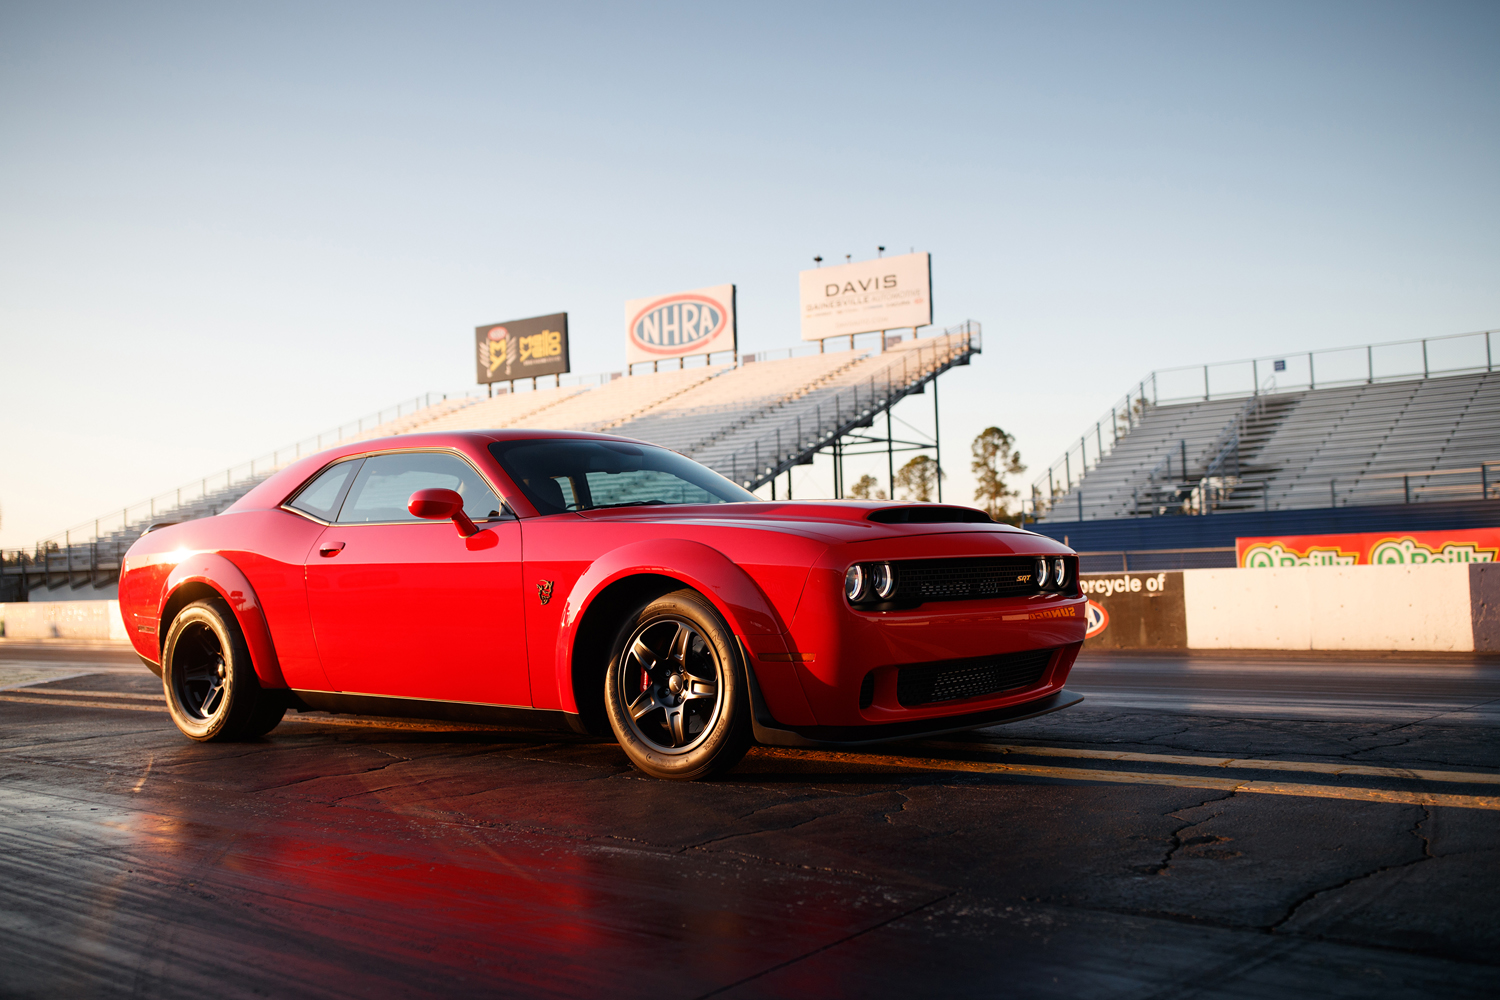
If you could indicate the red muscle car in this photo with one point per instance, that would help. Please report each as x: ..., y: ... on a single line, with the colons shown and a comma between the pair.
x: 602, y: 584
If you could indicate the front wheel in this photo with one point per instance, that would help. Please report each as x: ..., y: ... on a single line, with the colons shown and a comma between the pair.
x: 674, y: 691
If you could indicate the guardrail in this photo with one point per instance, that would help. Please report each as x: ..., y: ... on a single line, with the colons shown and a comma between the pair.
x: 1210, y: 494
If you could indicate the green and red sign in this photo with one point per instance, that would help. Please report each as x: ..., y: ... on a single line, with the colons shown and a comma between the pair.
x: 1371, y: 548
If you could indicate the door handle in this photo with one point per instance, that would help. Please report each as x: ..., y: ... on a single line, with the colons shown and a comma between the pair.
x: 330, y: 549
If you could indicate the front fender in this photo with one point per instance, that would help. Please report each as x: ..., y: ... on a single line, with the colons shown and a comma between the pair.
x: 729, y: 588
x: 217, y: 572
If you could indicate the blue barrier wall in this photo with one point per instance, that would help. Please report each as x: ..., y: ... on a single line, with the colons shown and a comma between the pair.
x: 1214, y: 530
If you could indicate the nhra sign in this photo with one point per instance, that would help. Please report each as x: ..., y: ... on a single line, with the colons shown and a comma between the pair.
x: 676, y: 326
x: 1371, y: 548
x: 522, y: 348
x: 887, y: 293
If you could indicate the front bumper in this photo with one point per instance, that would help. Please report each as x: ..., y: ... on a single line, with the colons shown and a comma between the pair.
x: 769, y: 732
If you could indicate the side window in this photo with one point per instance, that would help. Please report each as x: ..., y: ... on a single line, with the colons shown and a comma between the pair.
x: 322, y: 496
x: 386, y: 482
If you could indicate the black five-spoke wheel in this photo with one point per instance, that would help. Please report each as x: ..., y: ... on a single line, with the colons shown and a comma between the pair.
x: 210, y: 684
x: 674, y: 691
x: 670, y: 683
x: 200, y: 675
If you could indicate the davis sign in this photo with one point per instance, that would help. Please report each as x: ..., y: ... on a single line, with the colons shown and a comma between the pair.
x: 680, y: 325
x: 887, y: 293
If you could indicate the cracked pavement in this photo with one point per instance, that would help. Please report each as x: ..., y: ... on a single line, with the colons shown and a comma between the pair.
x: 371, y: 860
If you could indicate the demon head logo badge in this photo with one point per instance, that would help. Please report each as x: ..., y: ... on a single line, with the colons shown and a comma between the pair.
x: 544, y: 590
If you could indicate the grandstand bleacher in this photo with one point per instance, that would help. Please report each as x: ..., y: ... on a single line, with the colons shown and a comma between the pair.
x: 1416, y: 437
x: 750, y: 422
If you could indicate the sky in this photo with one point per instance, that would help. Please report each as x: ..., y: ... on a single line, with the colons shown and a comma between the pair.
x: 224, y: 228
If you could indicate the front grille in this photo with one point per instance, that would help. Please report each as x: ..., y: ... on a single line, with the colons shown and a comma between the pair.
x: 981, y: 675
x: 964, y: 579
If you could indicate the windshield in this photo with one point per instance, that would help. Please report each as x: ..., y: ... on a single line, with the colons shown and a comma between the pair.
x: 560, y: 475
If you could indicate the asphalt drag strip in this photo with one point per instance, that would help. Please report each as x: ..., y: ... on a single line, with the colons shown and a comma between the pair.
x: 887, y: 762
x: 1103, y: 851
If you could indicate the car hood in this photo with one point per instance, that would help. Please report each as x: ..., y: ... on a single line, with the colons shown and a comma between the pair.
x: 830, y: 521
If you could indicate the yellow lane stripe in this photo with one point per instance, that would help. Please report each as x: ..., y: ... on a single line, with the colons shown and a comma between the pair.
x: 1310, y: 767
x: 130, y: 706
x: 436, y: 727
x: 431, y: 726
x: 1137, y: 778
x: 54, y: 693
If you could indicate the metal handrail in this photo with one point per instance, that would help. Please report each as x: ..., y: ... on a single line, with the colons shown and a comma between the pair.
x: 771, y: 455
x: 1204, y: 495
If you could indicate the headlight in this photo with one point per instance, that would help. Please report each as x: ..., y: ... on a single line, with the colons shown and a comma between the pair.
x: 1059, y: 572
x: 1041, y: 574
x: 883, y: 579
x: 856, y: 583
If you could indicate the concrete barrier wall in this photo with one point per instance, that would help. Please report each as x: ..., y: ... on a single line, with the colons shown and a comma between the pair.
x: 63, y: 620
x: 1436, y: 607
x: 1407, y: 608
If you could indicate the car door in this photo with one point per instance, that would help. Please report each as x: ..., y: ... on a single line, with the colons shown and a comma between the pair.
x: 409, y: 608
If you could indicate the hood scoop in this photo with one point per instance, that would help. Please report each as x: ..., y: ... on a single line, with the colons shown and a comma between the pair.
x: 929, y: 514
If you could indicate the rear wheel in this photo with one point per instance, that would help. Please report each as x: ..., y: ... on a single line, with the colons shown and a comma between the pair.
x: 674, y: 691
x: 269, y: 712
x: 210, y: 684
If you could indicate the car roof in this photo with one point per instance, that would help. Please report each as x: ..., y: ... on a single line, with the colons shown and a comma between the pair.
x: 281, y: 483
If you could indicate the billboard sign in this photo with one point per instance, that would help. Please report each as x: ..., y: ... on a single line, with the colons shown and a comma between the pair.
x: 522, y: 348
x: 883, y: 294
x: 1135, y: 610
x: 1372, y: 548
x: 680, y: 325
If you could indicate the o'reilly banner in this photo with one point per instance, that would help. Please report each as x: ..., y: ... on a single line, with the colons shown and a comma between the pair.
x: 522, y: 348
x: 887, y: 293
x: 676, y: 326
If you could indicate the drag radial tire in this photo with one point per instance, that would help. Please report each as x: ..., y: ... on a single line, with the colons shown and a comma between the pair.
x: 269, y: 711
x: 675, y: 690
x: 210, y: 684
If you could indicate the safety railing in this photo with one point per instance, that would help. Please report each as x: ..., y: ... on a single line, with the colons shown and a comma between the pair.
x: 1206, y: 495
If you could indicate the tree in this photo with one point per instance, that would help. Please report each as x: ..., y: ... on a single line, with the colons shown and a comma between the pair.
x: 917, y: 479
x: 995, y: 458
x: 865, y: 489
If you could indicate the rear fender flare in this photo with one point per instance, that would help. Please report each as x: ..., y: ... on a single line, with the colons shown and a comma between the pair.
x: 217, y: 572
x: 705, y: 569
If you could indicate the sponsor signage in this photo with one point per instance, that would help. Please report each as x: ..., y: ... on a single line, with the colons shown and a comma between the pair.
x: 522, y: 348
x: 1134, y: 610
x: 680, y: 325
x: 1373, y: 548
x: 883, y: 294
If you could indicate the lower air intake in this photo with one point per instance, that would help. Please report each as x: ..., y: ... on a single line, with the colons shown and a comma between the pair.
x: 981, y: 675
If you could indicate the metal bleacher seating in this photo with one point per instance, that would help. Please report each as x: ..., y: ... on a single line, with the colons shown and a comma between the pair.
x: 1423, y: 439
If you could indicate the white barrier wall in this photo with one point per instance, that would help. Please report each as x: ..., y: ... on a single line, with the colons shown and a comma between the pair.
x: 63, y: 620
x: 1419, y: 608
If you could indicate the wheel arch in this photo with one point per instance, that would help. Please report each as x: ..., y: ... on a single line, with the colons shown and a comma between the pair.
x: 210, y: 575
x: 596, y: 632
x: 628, y: 577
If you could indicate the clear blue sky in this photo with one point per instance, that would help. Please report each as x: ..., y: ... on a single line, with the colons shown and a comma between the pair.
x: 224, y: 227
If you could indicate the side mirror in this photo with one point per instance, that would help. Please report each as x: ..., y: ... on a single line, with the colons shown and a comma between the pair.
x: 442, y: 505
